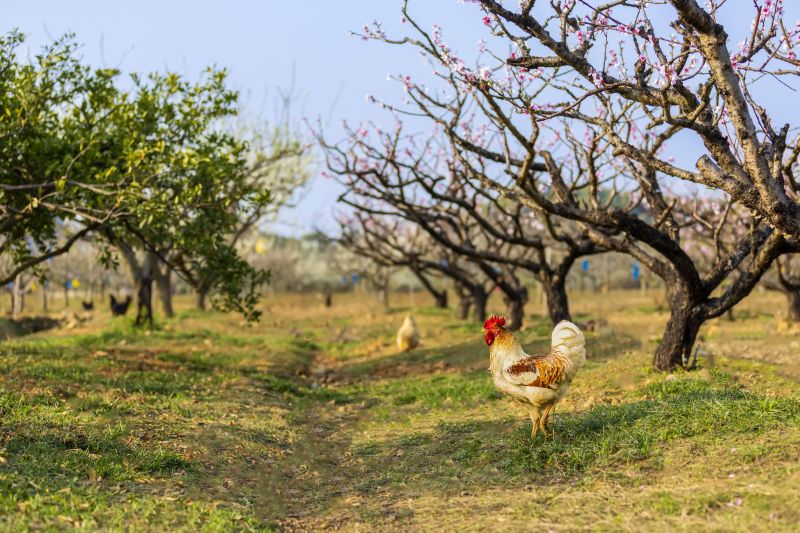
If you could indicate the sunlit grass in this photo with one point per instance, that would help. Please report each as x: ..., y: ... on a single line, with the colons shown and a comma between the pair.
x: 313, y: 420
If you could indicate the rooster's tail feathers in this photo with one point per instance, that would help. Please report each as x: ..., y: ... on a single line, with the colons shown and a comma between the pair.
x: 568, y: 338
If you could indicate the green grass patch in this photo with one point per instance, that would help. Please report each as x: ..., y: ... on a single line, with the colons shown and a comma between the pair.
x: 204, y: 424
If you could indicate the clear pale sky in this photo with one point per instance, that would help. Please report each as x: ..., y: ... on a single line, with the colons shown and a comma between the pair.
x: 260, y: 42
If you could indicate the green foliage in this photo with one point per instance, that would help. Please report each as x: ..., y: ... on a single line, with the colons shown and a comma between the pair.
x: 152, y: 164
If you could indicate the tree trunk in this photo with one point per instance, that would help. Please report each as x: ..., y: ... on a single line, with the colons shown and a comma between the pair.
x: 144, y: 300
x: 441, y: 299
x: 201, y: 299
x: 479, y: 299
x: 675, y: 349
x: 384, y: 296
x: 44, y: 299
x: 144, y: 274
x: 794, y: 305
x: 516, y: 312
x: 557, y: 302
x: 66, y: 296
x: 164, y: 286
x: 16, y: 302
x: 464, y: 305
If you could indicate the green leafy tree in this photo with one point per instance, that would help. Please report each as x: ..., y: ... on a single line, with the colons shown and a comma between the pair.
x: 151, y: 164
x: 277, y: 161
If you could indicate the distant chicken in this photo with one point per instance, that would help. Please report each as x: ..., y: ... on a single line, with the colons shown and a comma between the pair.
x: 120, y: 308
x: 408, y: 335
x: 537, y: 381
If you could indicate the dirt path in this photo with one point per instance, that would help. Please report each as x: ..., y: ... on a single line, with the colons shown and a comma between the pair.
x: 291, y: 473
x: 311, y: 481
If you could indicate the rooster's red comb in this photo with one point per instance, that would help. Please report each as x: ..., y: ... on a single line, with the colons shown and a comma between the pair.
x: 494, y: 321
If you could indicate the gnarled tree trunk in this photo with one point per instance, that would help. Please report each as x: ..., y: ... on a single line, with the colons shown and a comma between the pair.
x: 464, y: 305
x: 441, y: 299
x: 675, y: 349
x: 479, y: 300
x: 515, y: 304
x: 557, y: 303
x: 515, y: 295
x: 516, y: 313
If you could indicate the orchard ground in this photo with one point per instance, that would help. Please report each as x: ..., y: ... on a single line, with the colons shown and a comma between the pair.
x: 312, y: 420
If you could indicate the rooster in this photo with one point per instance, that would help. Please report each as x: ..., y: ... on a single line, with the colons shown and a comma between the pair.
x: 408, y: 335
x: 537, y: 381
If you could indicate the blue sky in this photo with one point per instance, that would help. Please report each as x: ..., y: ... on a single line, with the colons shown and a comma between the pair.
x: 262, y: 42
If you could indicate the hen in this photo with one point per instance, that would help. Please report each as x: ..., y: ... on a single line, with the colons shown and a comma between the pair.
x: 408, y: 335
x: 120, y: 308
x: 537, y: 381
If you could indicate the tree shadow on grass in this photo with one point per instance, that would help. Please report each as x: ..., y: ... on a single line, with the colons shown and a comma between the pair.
x: 480, y: 454
x: 609, y: 346
x: 52, y: 456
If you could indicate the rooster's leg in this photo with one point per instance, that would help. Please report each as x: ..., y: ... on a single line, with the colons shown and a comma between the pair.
x: 535, y: 417
x: 543, y: 421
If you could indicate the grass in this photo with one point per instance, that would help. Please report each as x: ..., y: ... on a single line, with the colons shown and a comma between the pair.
x: 313, y: 421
